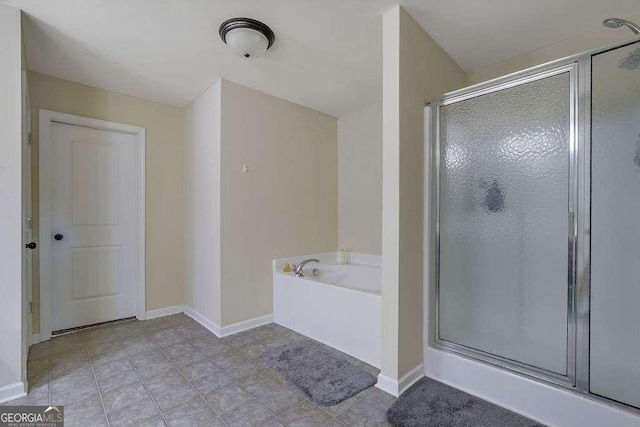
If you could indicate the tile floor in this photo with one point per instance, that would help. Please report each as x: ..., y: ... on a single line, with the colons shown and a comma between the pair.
x: 172, y: 371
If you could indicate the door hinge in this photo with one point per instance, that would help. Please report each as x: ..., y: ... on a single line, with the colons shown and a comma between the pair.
x: 29, y: 222
x: 30, y: 306
x: 29, y: 139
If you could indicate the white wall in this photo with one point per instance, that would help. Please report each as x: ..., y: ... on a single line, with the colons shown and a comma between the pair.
x: 10, y: 202
x: 27, y: 317
x: 360, y: 180
x: 202, y: 204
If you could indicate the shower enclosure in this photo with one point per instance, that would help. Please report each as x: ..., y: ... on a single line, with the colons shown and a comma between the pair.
x: 537, y: 223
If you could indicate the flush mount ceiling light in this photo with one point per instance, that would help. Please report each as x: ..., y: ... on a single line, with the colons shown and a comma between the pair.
x: 247, y: 37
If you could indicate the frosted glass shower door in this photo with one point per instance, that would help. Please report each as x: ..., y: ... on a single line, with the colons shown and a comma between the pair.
x: 503, y: 259
x: 615, y: 225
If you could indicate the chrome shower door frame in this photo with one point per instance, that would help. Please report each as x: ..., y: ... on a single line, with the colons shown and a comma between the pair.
x: 579, y: 216
x: 577, y: 213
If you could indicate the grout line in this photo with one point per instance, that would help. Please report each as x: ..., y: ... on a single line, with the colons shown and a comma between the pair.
x: 262, y: 404
x: 305, y: 398
x: 187, y: 379
x: 95, y: 378
x: 286, y: 383
x: 235, y: 382
x: 276, y: 416
x: 233, y: 349
x: 164, y: 419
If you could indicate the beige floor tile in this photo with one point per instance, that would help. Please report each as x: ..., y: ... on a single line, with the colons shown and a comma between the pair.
x: 193, y: 376
x: 364, y: 414
x: 195, y: 412
x: 305, y: 414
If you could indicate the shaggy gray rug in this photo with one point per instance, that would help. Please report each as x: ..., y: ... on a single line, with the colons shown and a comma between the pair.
x: 320, y: 373
x: 430, y: 403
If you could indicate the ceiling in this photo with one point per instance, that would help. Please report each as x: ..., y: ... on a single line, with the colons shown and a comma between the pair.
x: 327, y: 54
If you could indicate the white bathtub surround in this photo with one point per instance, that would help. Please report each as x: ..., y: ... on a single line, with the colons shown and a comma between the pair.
x: 341, y: 307
x: 332, y: 258
x: 397, y: 387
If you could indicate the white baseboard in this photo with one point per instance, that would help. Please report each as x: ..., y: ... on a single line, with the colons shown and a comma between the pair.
x: 12, y: 392
x: 35, y: 339
x: 246, y: 325
x: 397, y: 387
x: 225, y: 331
x: 387, y: 384
x: 161, y: 312
x: 215, y: 329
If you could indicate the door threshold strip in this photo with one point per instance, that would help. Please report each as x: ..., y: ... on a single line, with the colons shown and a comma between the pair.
x: 92, y: 326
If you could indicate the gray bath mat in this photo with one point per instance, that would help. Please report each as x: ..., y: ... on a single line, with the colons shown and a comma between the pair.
x: 430, y: 403
x: 320, y: 373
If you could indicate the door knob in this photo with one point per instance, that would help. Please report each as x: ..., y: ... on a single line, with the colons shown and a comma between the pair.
x: 31, y: 245
x: 58, y: 237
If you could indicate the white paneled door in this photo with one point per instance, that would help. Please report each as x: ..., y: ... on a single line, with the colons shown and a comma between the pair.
x: 93, y: 225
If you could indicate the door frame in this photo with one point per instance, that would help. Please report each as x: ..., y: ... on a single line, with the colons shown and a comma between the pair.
x: 47, y: 118
x: 27, y: 228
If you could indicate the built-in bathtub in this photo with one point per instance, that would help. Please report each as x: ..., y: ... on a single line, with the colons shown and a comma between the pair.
x: 340, y: 307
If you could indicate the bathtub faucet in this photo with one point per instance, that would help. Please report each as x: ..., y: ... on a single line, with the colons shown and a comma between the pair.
x: 298, y: 268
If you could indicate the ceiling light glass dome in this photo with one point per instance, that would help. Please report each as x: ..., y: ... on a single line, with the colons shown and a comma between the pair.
x: 247, y: 37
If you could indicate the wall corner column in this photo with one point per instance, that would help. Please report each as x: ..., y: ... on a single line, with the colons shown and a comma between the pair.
x: 415, y: 68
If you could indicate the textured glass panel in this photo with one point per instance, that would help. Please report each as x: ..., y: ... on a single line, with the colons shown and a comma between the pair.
x: 503, y: 222
x: 615, y: 218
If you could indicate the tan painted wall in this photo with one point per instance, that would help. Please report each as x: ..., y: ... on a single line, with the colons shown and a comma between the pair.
x: 164, y: 174
x: 593, y: 39
x: 415, y: 69
x: 285, y: 205
x: 360, y: 180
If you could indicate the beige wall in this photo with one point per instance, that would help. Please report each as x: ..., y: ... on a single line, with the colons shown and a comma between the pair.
x: 289, y: 149
x: 285, y: 205
x: 11, y: 248
x: 599, y: 37
x: 164, y: 175
x: 360, y: 180
x: 202, y: 204
x: 415, y: 69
